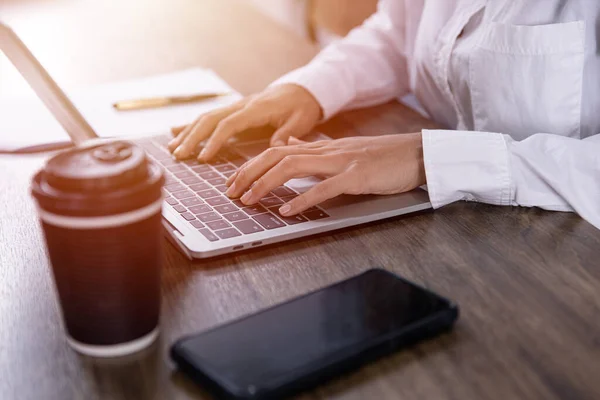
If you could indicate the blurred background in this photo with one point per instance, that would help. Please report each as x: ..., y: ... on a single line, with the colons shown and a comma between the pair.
x: 319, y: 20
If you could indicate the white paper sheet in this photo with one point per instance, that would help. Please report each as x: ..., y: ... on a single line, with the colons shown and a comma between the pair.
x: 26, y: 122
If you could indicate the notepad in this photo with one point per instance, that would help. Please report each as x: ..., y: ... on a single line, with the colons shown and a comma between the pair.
x: 25, y: 122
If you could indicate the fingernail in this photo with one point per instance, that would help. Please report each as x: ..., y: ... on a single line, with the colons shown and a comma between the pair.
x: 278, y: 143
x: 231, y: 190
x: 203, y: 153
x: 247, y: 197
x: 285, y: 209
x: 178, y: 152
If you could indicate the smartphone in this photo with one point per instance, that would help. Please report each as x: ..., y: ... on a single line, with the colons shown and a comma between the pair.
x: 303, y: 342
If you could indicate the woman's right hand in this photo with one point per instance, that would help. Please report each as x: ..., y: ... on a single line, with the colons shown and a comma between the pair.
x: 289, y: 108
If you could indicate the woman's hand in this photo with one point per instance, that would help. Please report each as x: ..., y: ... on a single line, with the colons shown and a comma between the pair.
x: 358, y: 165
x: 289, y: 108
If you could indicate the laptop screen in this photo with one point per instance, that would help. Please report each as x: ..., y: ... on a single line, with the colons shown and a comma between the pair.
x: 44, y: 86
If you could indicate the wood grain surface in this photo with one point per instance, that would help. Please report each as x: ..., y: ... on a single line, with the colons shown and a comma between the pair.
x: 527, y: 281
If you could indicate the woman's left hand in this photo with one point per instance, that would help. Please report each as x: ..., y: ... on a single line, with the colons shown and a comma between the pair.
x: 358, y: 165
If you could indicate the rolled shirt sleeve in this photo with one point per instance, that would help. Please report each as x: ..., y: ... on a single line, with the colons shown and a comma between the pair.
x: 547, y: 171
x: 365, y: 68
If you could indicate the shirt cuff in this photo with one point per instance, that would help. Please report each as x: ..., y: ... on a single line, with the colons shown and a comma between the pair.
x: 324, y: 83
x: 466, y: 165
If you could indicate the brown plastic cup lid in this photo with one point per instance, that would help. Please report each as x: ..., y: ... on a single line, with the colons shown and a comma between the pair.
x: 102, y: 179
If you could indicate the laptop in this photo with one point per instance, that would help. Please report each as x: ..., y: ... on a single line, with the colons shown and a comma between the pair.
x: 197, y: 216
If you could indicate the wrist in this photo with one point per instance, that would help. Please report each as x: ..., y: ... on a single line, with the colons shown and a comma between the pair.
x: 418, y: 146
x: 309, y: 101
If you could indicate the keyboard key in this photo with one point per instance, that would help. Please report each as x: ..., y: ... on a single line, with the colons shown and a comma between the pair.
x: 176, y: 167
x: 254, y: 210
x: 248, y: 226
x: 218, y: 201
x: 226, y: 208
x: 209, y: 175
x: 238, y: 162
x: 288, y: 198
x: 209, y: 235
x: 238, y: 203
x: 201, y: 168
x: 296, y: 219
x: 188, y: 216
x: 191, y: 201
x: 171, y: 201
x: 183, y: 174
x: 269, y: 221
x: 161, y: 140
x: 209, y: 216
x: 160, y: 155
x: 228, y: 173
x: 184, y: 194
x: 316, y: 214
x: 271, y: 201
x: 197, y: 224
x: 222, y: 188
x: 235, y: 216
x: 200, y: 209
x: 206, y: 194
x: 283, y: 191
x: 228, y: 153
x: 218, y: 224
x: 174, y: 187
x: 198, y: 187
x: 228, y: 233
x: 225, y: 168
x: 190, y: 162
x: 191, y: 180
x: 217, y: 181
x: 179, y: 208
x: 169, y: 162
x: 217, y: 161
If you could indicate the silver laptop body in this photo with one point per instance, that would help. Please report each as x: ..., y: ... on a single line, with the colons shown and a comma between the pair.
x: 200, y: 220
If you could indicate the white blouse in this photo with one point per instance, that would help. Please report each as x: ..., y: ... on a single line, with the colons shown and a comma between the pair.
x: 518, y: 82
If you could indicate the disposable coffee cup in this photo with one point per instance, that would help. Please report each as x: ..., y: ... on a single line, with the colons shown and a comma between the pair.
x: 100, y: 210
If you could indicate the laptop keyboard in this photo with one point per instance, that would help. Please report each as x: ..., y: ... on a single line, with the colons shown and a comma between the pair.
x: 196, y: 191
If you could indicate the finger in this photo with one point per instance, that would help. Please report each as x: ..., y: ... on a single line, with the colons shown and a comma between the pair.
x: 322, y: 191
x: 296, y: 141
x: 233, y: 177
x: 295, y: 125
x: 176, y: 130
x: 292, y: 140
x: 205, y: 125
x: 260, y: 164
x: 247, y: 118
x: 176, y: 141
x: 297, y: 166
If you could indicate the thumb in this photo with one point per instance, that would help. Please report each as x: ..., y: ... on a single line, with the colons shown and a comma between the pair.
x: 292, y: 140
x: 294, y: 126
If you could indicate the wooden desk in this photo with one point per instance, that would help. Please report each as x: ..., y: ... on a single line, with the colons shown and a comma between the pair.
x: 527, y: 281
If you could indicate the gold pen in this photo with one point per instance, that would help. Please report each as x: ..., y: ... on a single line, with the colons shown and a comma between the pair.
x: 154, y: 102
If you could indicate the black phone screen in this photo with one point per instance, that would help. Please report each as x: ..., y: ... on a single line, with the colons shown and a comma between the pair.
x: 268, y: 346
